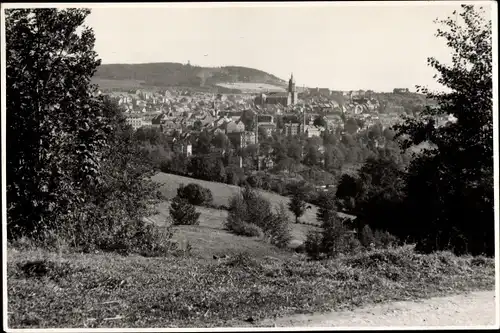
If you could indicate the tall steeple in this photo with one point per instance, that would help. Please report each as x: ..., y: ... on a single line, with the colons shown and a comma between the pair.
x: 291, y: 84
x: 292, y: 94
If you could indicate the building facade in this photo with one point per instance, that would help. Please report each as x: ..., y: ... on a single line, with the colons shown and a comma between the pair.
x: 135, y: 122
x: 288, y: 98
x: 293, y: 129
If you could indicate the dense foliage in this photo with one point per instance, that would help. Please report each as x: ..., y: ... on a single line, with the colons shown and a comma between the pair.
x: 195, y: 194
x: 450, y: 187
x: 56, y: 127
x: 74, y: 172
x: 250, y: 214
x: 183, y: 213
x: 335, y: 237
x: 176, y: 74
x: 297, y: 203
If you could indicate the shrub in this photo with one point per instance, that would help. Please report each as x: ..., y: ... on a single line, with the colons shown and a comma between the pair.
x: 297, y: 205
x: 259, y: 210
x: 335, y: 238
x: 245, y: 260
x: 183, y: 213
x: 279, y: 230
x: 234, y: 175
x: 254, y: 181
x: 247, y: 229
x: 250, y: 214
x: 237, y: 214
x: 136, y: 236
x: 366, y: 237
x: 312, y: 244
x: 195, y: 194
x: 153, y: 241
x: 384, y: 239
x: 352, y: 244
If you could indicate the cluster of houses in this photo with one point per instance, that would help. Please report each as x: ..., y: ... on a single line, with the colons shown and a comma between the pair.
x: 183, y: 112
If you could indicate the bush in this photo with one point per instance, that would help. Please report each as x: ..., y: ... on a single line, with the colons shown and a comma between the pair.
x: 183, y: 213
x: 366, y: 237
x: 312, y: 244
x: 237, y: 213
x: 254, y: 181
x: 384, y: 239
x: 247, y: 229
x: 279, y: 230
x: 250, y: 214
x: 195, y: 194
x: 258, y: 209
x: 135, y: 236
x: 278, y: 187
x: 234, y: 175
x: 334, y: 239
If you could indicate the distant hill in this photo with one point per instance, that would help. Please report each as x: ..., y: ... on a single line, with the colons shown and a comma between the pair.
x: 116, y: 76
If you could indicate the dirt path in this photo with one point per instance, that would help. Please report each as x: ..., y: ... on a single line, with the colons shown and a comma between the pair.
x: 472, y: 309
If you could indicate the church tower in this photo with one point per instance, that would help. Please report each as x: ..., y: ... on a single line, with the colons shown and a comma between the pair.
x: 291, y: 84
x: 215, y: 112
x: 292, y: 94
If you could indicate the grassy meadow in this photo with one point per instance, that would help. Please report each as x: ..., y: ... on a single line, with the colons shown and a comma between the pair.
x: 225, y: 280
x: 222, y: 193
x: 209, y: 238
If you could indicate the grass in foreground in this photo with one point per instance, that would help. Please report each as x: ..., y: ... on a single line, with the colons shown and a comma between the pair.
x: 107, y: 290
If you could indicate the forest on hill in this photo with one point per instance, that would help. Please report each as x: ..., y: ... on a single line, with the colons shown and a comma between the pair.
x: 186, y: 75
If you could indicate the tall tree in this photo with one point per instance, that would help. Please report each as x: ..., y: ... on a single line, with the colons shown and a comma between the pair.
x: 294, y: 150
x: 197, y: 125
x: 221, y: 140
x: 450, y: 187
x: 320, y: 121
x: 379, y: 195
x: 203, y: 143
x: 56, y: 129
x: 351, y: 126
x: 297, y: 203
x: 248, y: 119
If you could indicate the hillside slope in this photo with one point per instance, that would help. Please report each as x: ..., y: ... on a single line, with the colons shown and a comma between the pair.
x: 222, y: 193
x: 176, y: 74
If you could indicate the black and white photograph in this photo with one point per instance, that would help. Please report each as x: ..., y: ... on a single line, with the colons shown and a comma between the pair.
x: 249, y: 166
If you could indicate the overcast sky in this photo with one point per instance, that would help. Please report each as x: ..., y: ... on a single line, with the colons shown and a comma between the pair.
x: 341, y: 47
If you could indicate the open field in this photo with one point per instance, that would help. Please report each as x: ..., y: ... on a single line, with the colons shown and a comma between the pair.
x: 117, y: 84
x: 223, y: 192
x: 247, y: 87
x: 209, y: 238
x: 109, y: 290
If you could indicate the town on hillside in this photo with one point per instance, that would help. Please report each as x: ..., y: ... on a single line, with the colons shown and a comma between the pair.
x: 244, y: 117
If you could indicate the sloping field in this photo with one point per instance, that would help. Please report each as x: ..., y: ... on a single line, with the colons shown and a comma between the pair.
x: 210, y: 238
x: 117, y: 84
x: 223, y: 192
x: 248, y: 87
